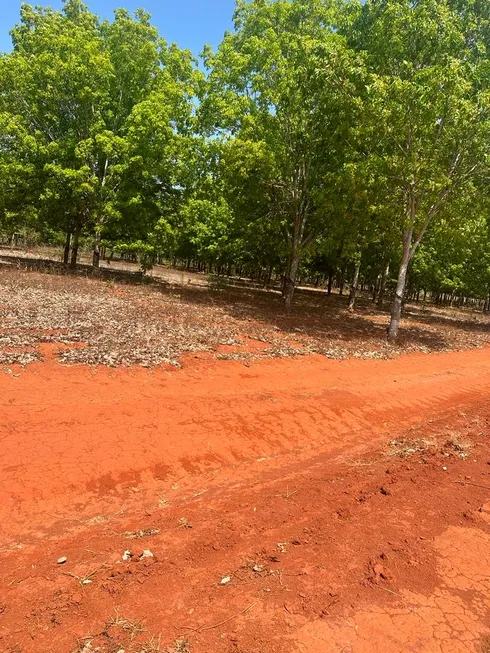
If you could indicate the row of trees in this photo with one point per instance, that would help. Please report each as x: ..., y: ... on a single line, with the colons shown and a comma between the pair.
x: 325, y: 138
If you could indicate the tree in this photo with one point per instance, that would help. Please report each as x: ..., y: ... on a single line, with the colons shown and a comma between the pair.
x: 89, y: 93
x: 429, y: 105
x: 278, y: 81
x: 18, y: 165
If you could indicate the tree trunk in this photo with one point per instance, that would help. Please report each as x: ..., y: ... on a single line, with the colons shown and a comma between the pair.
x: 396, y: 308
x: 330, y: 281
x: 408, y: 251
x: 296, y: 243
x: 290, y: 280
x: 269, y: 274
x: 74, y: 247
x: 375, y: 288
x: 341, y: 282
x: 382, y: 285
x: 353, y: 289
x: 66, y: 251
x: 96, y: 256
x: 406, y: 293
x: 486, y: 305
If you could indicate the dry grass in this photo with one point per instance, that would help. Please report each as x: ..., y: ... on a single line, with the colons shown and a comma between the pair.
x: 87, y: 578
x: 117, y: 324
x: 180, y: 646
x: 133, y: 535
x: 154, y: 645
x: 130, y: 631
x: 458, y: 445
x: 131, y: 626
x: 447, y: 443
x: 405, y: 448
x: 110, y: 322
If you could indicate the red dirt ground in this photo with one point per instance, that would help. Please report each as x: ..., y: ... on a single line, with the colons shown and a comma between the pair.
x: 348, y: 502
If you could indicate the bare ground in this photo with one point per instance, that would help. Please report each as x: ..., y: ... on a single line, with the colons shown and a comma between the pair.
x: 297, y: 506
x: 122, y: 318
x: 294, y: 505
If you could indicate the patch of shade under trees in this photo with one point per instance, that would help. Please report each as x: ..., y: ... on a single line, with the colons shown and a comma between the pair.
x: 329, y: 142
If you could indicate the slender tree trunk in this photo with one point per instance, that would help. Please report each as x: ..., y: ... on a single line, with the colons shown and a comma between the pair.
x: 382, y: 285
x: 66, y: 251
x: 375, y: 288
x: 295, y: 244
x: 269, y: 275
x: 96, y: 256
x: 408, y: 250
x: 406, y: 292
x: 396, y: 309
x: 330, y: 281
x: 290, y: 280
x: 74, y: 247
x: 486, y: 305
x: 410, y: 247
x: 341, y: 282
x: 353, y: 289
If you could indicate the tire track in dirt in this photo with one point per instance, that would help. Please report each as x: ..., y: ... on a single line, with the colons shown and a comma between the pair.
x: 75, y: 434
x: 289, y: 451
x: 358, y: 570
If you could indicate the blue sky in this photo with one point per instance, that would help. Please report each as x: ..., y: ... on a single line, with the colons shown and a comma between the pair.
x: 190, y: 23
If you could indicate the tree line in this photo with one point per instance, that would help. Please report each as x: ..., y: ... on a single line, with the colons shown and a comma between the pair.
x: 327, y: 141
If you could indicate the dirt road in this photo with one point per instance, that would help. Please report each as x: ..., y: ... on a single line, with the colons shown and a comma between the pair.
x: 279, y: 476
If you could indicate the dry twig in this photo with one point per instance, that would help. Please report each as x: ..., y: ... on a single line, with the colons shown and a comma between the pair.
x: 201, y: 629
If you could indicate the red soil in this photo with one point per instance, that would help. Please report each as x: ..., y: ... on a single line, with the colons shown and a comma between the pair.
x: 277, y: 475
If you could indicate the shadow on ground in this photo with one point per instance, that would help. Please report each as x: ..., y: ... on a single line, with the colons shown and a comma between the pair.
x: 314, y: 316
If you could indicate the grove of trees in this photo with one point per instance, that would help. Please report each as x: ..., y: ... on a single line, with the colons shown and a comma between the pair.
x: 327, y: 141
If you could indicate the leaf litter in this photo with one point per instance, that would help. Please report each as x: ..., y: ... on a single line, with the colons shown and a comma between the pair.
x: 98, y: 323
